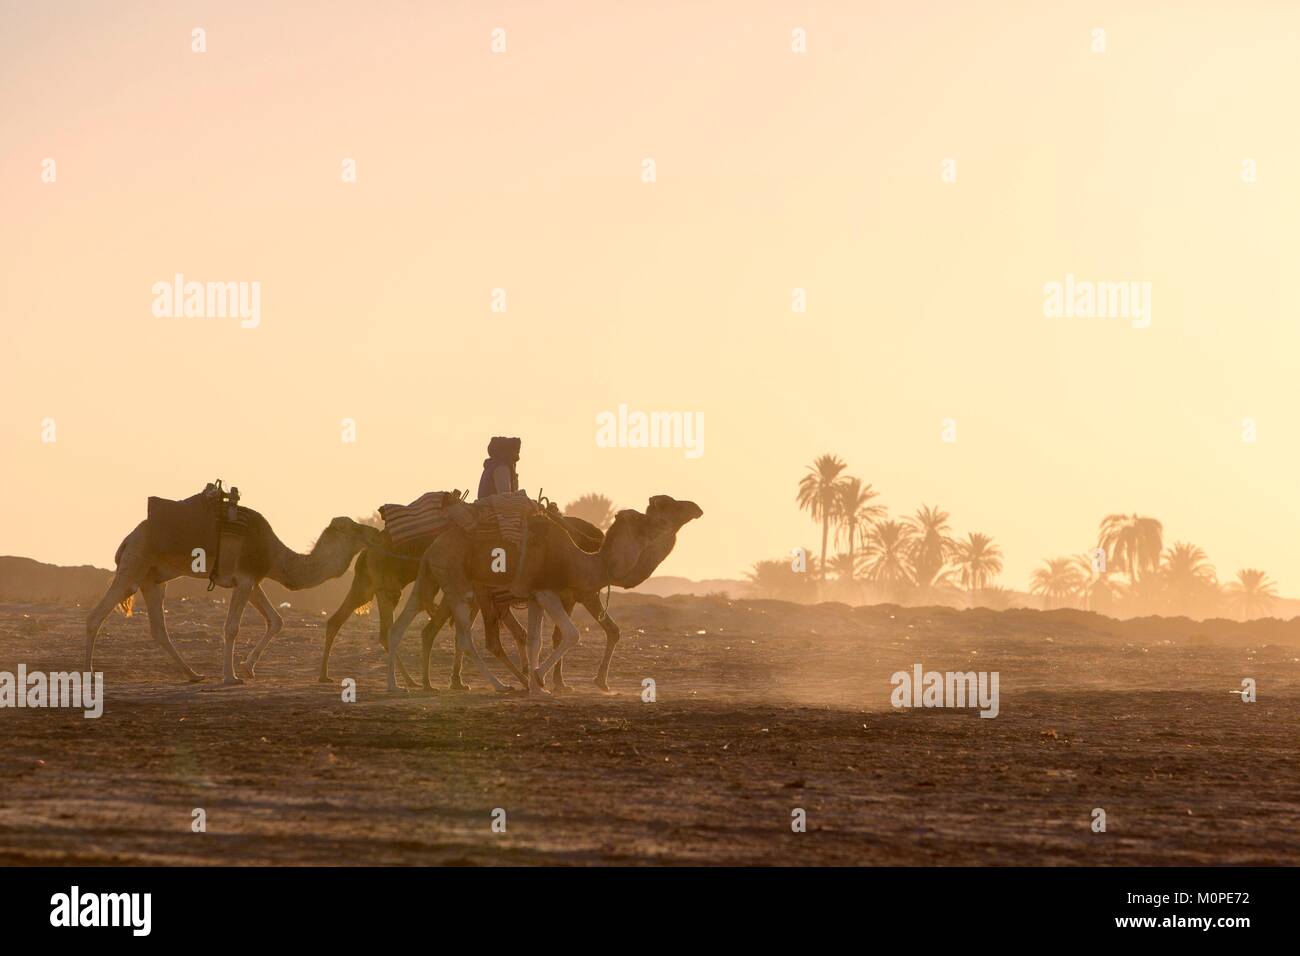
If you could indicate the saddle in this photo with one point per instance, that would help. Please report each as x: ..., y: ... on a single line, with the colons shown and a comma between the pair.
x: 205, y: 520
x: 504, y: 516
x: 181, y: 526
x: 503, y: 538
x: 417, y: 524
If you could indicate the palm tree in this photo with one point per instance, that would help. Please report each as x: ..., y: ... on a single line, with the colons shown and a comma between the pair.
x: 1132, y: 543
x: 1252, y: 594
x: 593, y: 508
x: 842, y: 566
x: 932, y: 545
x: 978, y: 559
x: 887, y: 558
x: 1097, y: 592
x: 845, y: 588
x: 1188, y: 577
x: 819, y: 496
x: 854, y: 513
x: 1057, y: 582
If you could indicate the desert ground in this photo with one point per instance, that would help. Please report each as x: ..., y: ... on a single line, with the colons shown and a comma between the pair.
x: 761, y: 708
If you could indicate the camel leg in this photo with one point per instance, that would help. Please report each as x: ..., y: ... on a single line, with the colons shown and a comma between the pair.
x: 387, y: 603
x: 457, y: 655
x: 121, y: 588
x: 238, y: 601
x: 492, y: 619
x: 612, y: 634
x: 427, y: 638
x: 274, y: 623
x: 521, y: 644
x: 536, y: 685
x: 153, y: 592
x: 398, y: 630
x: 460, y: 611
x: 558, y: 685
x: 551, y: 603
x: 359, y: 594
x: 457, y: 662
x: 439, y: 617
x: 521, y: 641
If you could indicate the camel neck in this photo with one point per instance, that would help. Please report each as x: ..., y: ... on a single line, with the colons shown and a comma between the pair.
x: 295, y: 571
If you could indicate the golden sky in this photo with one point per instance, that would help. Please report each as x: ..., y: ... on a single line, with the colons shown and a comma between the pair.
x: 522, y: 170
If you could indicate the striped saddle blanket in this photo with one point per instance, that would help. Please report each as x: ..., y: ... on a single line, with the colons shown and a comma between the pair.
x: 422, y: 520
x: 506, y: 514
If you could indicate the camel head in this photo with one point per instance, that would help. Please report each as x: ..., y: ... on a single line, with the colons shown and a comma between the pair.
x: 637, y: 543
x: 350, y: 534
x: 667, y: 514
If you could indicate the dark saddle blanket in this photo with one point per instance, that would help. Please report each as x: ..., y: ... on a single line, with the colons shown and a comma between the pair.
x: 178, y: 527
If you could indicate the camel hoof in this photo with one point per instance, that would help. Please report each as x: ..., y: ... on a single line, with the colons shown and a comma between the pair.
x: 233, y: 681
x: 324, y: 679
x: 604, y: 689
x: 194, y: 677
x: 540, y: 693
x: 458, y: 685
x: 557, y: 688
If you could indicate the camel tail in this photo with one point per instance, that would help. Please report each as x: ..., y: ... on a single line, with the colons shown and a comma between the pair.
x: 127, y: 604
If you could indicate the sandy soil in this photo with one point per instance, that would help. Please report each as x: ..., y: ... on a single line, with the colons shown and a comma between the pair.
x: 762, y: 708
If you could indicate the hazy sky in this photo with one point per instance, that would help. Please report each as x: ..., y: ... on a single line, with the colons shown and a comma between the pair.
x: 523, y: 171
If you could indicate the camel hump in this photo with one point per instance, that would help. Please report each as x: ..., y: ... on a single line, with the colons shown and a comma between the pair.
x: 139, y: 535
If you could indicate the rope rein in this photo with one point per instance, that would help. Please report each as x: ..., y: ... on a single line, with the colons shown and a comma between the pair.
x: 604, y: 607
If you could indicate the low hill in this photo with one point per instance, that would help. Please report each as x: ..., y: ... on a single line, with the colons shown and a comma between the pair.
x: 24, y: 581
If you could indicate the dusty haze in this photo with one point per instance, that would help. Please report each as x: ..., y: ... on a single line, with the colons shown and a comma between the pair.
x: 775, y: 171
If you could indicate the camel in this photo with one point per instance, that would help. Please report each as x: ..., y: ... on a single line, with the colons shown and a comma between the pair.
x: 664, y: 517
x: 263, y: 556
x: 667, y: 516
x: 383, y: 572
x: 380, y: 575
x: 455, y: 563
x: 587, y: 537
